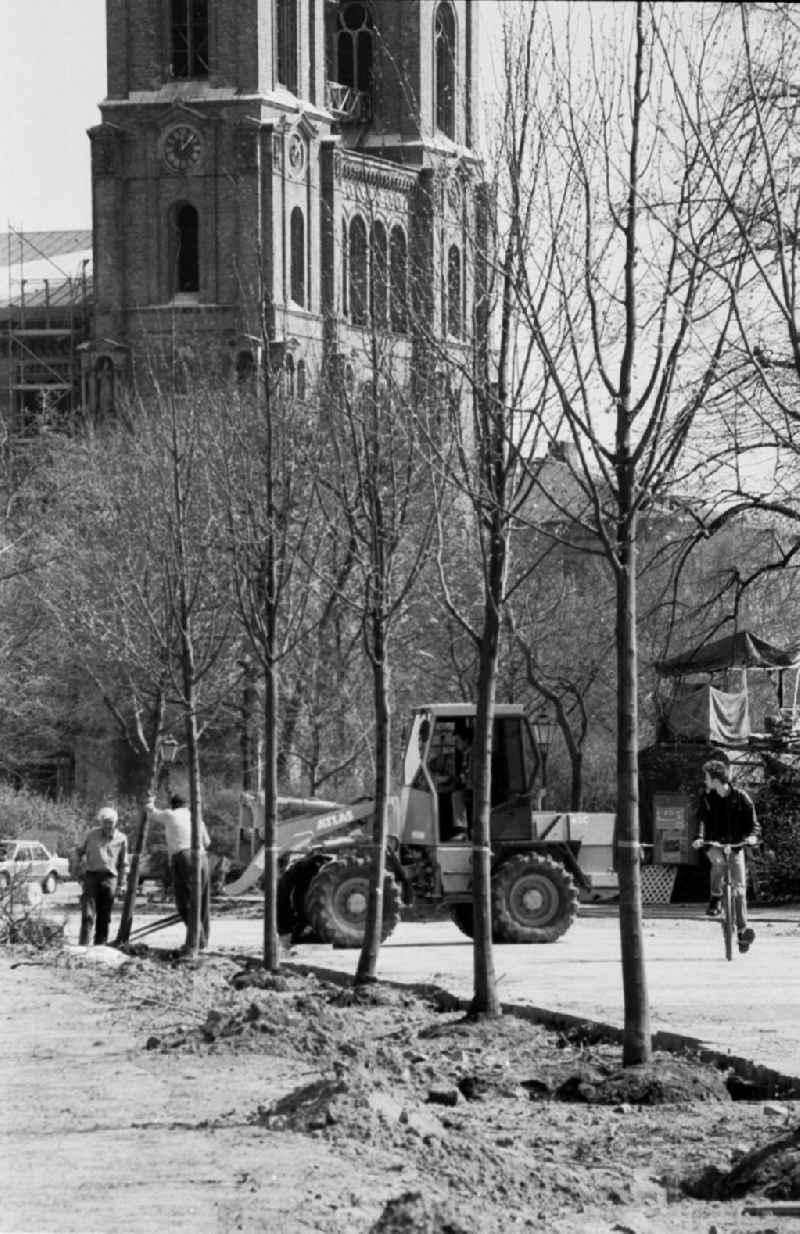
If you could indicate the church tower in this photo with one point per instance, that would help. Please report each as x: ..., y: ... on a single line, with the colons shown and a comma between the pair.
x: 312, y: 155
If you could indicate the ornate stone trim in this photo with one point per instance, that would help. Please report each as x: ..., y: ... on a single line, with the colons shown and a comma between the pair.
x: 365, y: 172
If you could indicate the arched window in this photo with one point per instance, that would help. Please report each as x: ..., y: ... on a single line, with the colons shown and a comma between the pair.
x: 354, y: 47
x: 189, y: 28
x: 379, y: 272
x: 297, y: 256
x: 185, y: 250
x: 454, y: 322
x: 445, y: 41
x: 398, y: 280
x: 345, y: 270
x: 358, y: 271
x: 286, y: 15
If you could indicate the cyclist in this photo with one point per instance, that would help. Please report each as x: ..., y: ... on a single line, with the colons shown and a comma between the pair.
x: 727, y: 816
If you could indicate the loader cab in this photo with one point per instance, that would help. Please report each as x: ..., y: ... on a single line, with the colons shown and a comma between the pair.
x: 439, y: 745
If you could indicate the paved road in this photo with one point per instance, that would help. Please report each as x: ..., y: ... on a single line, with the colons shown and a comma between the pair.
x: 749, y: 1008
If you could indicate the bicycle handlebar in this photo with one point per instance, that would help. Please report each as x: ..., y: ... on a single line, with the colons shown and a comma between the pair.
x: 729, y: 847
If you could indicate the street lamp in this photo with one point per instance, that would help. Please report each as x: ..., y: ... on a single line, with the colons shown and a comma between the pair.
x: 544, y: 733
x: 167, y: 750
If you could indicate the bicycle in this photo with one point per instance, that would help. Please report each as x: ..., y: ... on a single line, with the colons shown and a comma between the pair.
x: 727, y: 919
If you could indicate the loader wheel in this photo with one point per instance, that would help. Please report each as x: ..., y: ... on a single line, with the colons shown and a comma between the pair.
x: 336, y: 902
x: 291, y: 893
x: 463, y: 915
x: 534, y: 900
x: 292, y: 887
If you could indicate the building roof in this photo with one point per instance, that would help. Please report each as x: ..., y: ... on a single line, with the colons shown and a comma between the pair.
x: 54, y: 266
x: 16, y: 246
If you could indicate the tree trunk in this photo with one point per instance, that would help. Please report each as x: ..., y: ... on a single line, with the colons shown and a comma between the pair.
x: 485, y: 1001
x: 270, y: 625
x: 637, y: 1046
x: 271, y: 941
x: 370, y: 950
x: 194, y: 926
x: 576, y: 781
x: 636, y: 1043
x: 126, y: 916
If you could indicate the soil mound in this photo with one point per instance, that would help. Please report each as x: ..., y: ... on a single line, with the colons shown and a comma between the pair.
x: 474, y: 1125
x: 412, y: 1213
x: 771, y: 1170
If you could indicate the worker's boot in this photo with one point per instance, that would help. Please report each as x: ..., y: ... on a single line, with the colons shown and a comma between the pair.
x: 714, y: 906
x: 746, y: 937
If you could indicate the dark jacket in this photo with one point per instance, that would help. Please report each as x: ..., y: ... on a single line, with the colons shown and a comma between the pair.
x: 728, y: 820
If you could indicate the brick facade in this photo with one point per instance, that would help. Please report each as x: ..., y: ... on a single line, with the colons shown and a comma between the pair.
x: 218, y: 185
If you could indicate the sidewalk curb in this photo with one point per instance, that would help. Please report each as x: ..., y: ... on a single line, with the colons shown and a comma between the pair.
x: 772, y: 1085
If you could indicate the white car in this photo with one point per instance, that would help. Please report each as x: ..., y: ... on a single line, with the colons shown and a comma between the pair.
x: 30, y: 860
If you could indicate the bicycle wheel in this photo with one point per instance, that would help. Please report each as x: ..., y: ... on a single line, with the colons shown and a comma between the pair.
x: 727, y: 918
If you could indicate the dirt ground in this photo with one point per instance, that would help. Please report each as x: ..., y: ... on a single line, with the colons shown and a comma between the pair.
x: 145, y: 1093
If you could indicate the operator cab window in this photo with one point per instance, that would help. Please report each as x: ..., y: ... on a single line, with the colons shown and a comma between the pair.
x: 416, y: 754
x: 508, y: 759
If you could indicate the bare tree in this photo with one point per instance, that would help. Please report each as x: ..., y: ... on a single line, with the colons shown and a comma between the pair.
x: 375, y: 492
x: 493, y: 407
x: 264, y: 470
x: 133, y: 578
x: 740, y: 101
x: 628, y: 324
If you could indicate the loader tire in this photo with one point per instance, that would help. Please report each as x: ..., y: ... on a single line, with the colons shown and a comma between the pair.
x: 463, y: 915
x: 336, y: 902
x: 534, y: 899
x: 292, y: 887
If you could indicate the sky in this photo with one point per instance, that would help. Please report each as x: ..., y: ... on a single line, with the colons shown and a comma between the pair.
x: 52, y: 78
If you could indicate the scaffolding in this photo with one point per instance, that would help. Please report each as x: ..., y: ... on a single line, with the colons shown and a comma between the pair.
x: 47, y: 314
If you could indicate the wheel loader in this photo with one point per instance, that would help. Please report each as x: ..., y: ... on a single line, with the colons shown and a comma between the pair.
x: 324, y: 846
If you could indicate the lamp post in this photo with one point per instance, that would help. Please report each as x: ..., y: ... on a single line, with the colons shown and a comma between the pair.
x: 544, y: 732
x: 167, y: 751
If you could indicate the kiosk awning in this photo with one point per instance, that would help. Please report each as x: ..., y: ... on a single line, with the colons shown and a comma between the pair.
x: 742, y: 650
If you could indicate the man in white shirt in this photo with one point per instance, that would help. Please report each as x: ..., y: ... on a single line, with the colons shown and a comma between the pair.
x: 102, y: 866
x: 177, y: 823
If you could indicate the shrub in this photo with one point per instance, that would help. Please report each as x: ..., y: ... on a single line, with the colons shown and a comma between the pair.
x: 221, y: 817
x: 24, y: 814
x: 777, y: 867
x: 23, y: 918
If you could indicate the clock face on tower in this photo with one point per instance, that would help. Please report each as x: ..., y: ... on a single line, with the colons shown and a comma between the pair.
x: 182, y: 148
